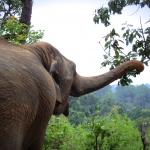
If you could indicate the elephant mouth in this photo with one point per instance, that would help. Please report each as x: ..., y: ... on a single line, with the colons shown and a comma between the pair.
x: 61, y: 105
x: 56, y: 80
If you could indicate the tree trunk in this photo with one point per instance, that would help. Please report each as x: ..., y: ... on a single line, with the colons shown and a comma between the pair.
x: 26, y: 12
x: 26, y: 16
x: 143, y: 136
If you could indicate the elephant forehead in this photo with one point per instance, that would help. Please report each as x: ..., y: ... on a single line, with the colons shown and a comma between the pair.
x: 69, y: 65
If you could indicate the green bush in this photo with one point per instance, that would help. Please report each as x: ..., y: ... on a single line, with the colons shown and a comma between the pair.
x: 19, y: 33
x: 112, y: 132
x: 61, y: 135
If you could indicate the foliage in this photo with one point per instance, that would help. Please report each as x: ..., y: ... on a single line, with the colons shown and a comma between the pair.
x: 62, y: 135
x: 128, y: 98
x: 115, y: 54
x: 107, y: 132
x: 9, y: 8
x: 137, y: 112
x: 11, y: 29
x: 82, y: 107
x: 16, y: 32
x: 134, y: 96
x: 56, y: 133
x: 101, y: 127
x: 112, y: 132
x: 116, y: 7
x: 90, y: 105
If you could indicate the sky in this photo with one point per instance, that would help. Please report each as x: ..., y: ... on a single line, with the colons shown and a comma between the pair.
x: 69, y: 27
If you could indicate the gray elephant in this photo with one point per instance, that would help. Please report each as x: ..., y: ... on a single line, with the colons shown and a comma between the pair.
x: 35, y: 82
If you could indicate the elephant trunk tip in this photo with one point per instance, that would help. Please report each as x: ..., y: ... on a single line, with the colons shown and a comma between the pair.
x: 137, y: 64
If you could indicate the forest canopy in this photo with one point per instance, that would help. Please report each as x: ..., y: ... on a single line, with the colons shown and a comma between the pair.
x: 109, y: 118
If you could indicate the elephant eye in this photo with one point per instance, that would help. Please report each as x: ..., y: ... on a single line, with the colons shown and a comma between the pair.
x: 56, y: 77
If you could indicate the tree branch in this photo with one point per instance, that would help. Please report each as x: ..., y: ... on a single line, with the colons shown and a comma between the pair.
x: 135, y: 11
x: 145, y: 45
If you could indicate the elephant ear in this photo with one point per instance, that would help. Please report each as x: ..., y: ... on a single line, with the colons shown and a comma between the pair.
x: 53, y: 66
x: 58, y: 92
x: 58, y: 95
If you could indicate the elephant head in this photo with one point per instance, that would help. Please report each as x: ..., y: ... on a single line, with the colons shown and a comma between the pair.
x: 68, y: 82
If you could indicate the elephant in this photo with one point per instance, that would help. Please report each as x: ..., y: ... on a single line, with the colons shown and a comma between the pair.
x: 36, y: 81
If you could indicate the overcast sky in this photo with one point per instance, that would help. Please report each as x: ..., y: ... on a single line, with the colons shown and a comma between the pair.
x: 69, y: 27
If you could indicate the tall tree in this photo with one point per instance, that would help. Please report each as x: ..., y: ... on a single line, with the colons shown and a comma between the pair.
x: 15, y: 21
x: 26, y: 12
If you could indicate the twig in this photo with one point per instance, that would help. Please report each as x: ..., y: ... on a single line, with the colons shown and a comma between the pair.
x: 104, y: 49
x: 142, y: 30
x: 147, y: 21
x: 144, y: 40
x: 135, y: 11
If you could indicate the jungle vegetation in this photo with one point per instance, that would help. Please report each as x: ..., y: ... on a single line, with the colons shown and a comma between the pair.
x: 109, y: 118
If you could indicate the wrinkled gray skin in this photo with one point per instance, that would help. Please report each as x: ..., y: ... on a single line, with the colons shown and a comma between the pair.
x: 35, y: 82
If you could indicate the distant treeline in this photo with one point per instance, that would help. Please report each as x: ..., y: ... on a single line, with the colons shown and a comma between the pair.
x: 132, y: 100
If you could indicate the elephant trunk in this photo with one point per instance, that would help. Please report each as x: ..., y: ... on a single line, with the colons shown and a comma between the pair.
x: 84, y: 85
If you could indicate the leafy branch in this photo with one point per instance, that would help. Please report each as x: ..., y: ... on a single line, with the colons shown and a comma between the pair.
x: 115, y: 45
x: 12, y: 27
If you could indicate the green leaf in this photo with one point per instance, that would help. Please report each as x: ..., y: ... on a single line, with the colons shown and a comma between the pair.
x: 146, y: 63
x: 121, y: 41
x: 138, y: 34
x: 134, y: 48
x: 142, y: 4
x: 96, y: 19
x: 127, y: 31
x: 107, y: 36
x: 143, y: 58
x: 116, y: 54
x: 117, y: 34
x: 133, y: 73
x: 107, y: 43
x: 127, y: 42
x: 112, y: 67
x: 140, y: 44
x: 116, y: 62
x: 105, y: 56
x: 124, y: 35
x: 120, y: 48
x: 141, y: 52
x: 113, y: 32
x: 103, y: 64
x: 131, y: 38
x: 123, y: 82
x: 147, y: 30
